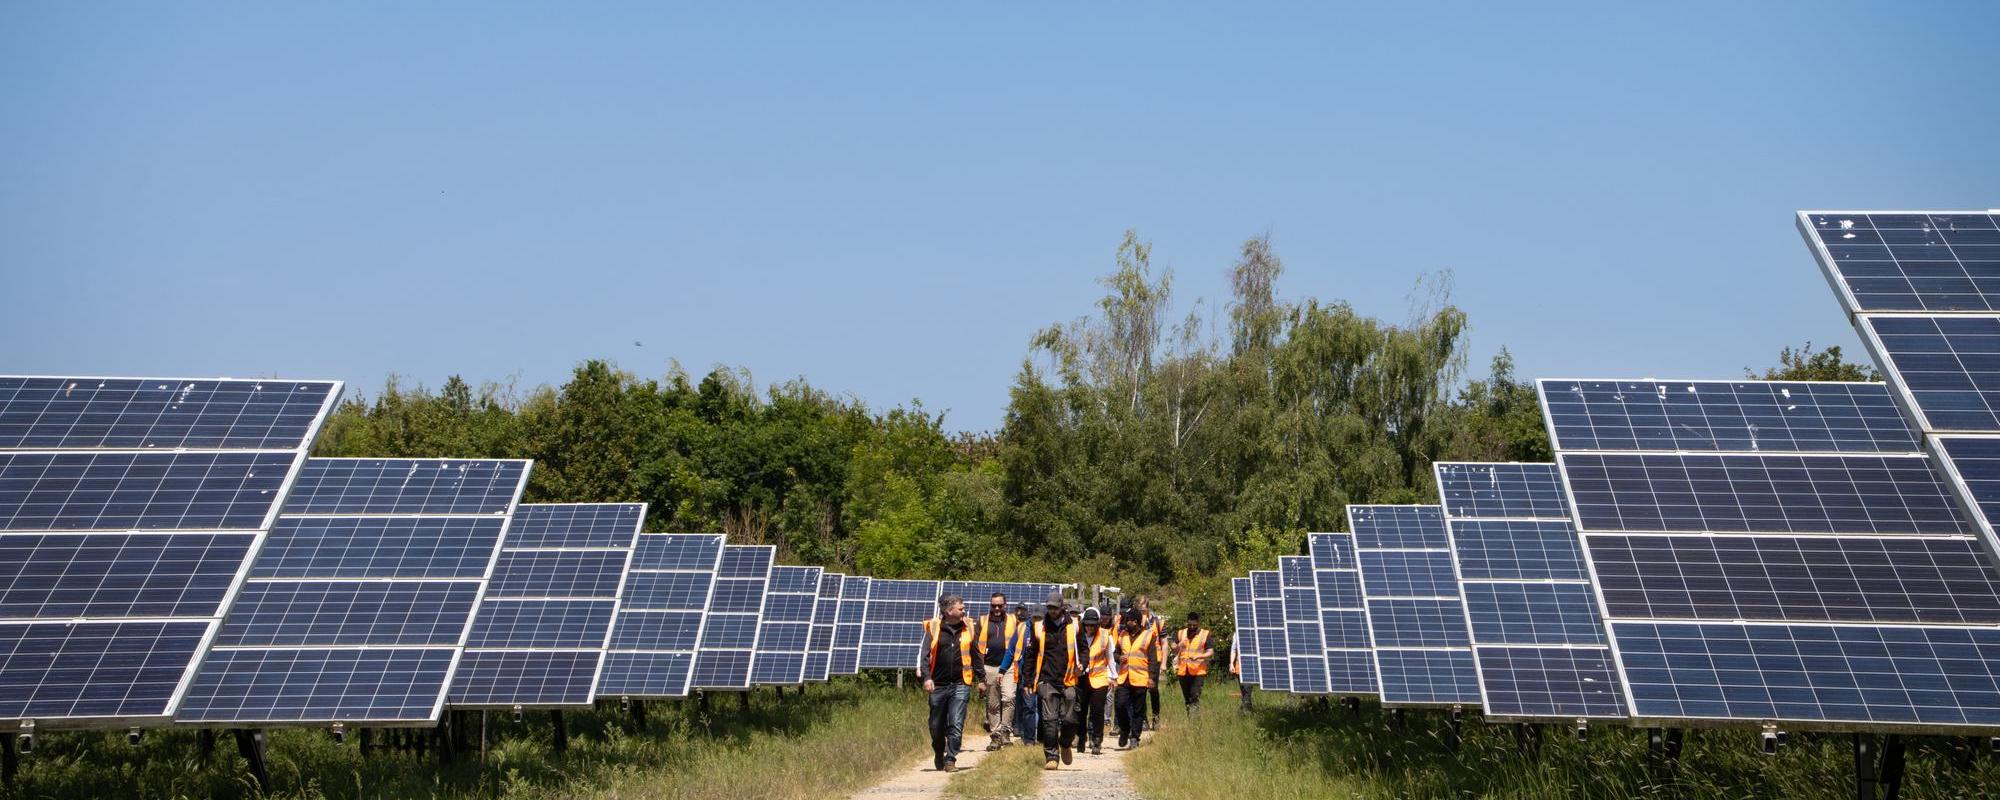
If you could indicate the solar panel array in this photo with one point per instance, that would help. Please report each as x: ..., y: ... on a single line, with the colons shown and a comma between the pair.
x: 892, y: 635
x: 1783, y: 585
x: 729, y: 632
x: 1249, y: 667
x: 1267, y: 613
x: 1423, y: 653
x: 1538, y: 641
x: 128, y: 510
x: 1304, y: 643
x: 661, y: 615
x: 1350, y: 660
x: 784, y: 633
x: 848, y: 625
x: 539, y: 637
x: 359, y: 604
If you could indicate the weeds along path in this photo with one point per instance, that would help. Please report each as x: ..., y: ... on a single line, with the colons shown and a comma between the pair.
x: 920, y: 781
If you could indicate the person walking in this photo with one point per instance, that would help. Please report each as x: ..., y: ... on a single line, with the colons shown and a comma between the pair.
x: 999, y: 646
x: 1027, y: 715
x: 1136, y: 649
x: 1236, y: 669
x: 1051, y: 671
x: 1191, y: 655
x: 1158, y: 626
x: 949, y: 669
x: 1094, y: 653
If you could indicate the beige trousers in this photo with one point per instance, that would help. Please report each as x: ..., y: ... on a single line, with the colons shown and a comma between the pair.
x: 1000, y: 705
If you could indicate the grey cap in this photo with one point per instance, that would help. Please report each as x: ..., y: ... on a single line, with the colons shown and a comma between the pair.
x: 1055, y: 599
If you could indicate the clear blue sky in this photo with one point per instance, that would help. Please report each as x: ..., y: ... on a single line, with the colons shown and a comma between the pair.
x: 889, y: 200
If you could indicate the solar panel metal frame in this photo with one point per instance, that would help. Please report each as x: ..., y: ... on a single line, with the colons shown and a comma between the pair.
x: 612, y: 651
x: 764, y: 647
x: 873, y: 632
x: 212, y: 622
x: 853, y: 603
x: 1375, y: 627
x: 1274, y: 663
x: 1451, y: 520
x: 1363, y: 649
x: 756, y: 622
x: 456, y: 651
x: 1248, y: 671
x: 1634, y: 630
x: 601, y: 651
x: 819, y: 659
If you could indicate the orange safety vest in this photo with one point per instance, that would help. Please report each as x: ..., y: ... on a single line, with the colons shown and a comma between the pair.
x: 1138, y: 652
x: 1007, y: 631
x: 1159, y: 627
x: 932, y: 628
x: 1100, y: 669
x: 1042, y: 652
x: 1192, y: 653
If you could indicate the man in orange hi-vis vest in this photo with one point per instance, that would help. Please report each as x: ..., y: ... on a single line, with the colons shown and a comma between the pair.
x: 1000, y: 639
x: 950, y: 667
x: 1095, y: 654
x: 1136, y: 650
x: 1049, y: 670
x: 1191, y: 655
x: 1158, y: 625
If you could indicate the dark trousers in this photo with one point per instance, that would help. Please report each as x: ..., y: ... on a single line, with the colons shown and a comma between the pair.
x: 1057, y: 707
x: 1153, y: 692
x: 948, y: 719
x: 1090, y: 704
x: 1191, y: 690
x: 1027, y: 718
x: 1131, y: 712
x: 1244, y: 690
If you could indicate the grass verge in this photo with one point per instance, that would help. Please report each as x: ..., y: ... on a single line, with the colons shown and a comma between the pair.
x: 835, y: 740
x: 1289, y: 748
x: 1011, y: 773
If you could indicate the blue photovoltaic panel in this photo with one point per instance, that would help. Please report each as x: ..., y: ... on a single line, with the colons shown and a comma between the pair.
x: 351, y: 486
x: 1331, y: 550
x: 893, y: 634
x: 128, y: 510
x: 1246, y: 633
x: 575, y: 525
x: 542, y: 624
x: 1304, y: 641
x: 558, y: 573
x: 378, y: 547
x: 1273, y: 649
x: 81, y: 491
x: 1724, y: 416
x: 847, y: 630
x: 1908, y: 261
x: 1537, y: 634
x: 1502, y: 490
x: 662, y: 591
x: 1974, y: 462
x: 1416, y: 618
x: 1379, y: 527
x: 729, y: 632
x: 319, y: 686
x: 1948, y: 367
x: 327, y: 598
x: 524, y: 677
x: 1751, y: 493
x: 63, y: 575
x: 57, y: 413
x: 785, y: 627
x: 662, y: 615
x: 819, y: 654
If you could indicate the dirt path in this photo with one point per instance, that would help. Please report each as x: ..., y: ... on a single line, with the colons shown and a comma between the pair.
x: 920, y: 781
x: 1090, y: 778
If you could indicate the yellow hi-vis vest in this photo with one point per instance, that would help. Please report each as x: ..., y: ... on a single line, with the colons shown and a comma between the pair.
x: 986, y: 626
x: 1192, y: 653
x: 1033, y: 679
x: 1138, y: 651
x: 933, y: 628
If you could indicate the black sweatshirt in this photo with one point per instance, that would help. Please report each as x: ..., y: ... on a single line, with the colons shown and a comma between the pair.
x: 947, y: 658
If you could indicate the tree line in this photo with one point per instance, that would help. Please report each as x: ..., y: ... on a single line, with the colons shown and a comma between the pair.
x: 1156, y: 452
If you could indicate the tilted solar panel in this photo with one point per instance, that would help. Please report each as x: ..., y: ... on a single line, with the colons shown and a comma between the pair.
x: 729, y: 631
x: 1350, y: 664
x: 1908, y: 261
x: 1305, y: 644
x: 1267, y: 601
x: 1416, y: 616
x: 128, y: 510
x: 819, y: 651
x: 1726, y: 416
x: 663, y: 617
x: 1247, y: 663
x: 784, y: 630
x: 848, y: 623
x: 892, y: 636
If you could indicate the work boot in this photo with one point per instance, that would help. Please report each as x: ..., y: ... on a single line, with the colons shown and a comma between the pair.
x: 1097, y: 749
x: 1065, y: 751
x: 993, y: 744
x: 951, y: 765
x: 1153, y: 724
x: 1050, y: 764
x: 937, y: 760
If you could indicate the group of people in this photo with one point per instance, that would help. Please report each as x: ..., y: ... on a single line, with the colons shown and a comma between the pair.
x: 1051, y: 676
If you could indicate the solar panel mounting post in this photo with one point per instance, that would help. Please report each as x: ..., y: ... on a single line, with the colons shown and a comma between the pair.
x: 250, y: 743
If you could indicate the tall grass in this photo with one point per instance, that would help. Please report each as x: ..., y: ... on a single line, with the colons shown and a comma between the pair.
x: 834, y: 740
x: 1290, y: 748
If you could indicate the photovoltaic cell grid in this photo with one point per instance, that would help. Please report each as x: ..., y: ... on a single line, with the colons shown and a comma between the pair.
x: 784, y: 633
x: 1350, y: 663
x: 1538, y: 641
x: 355, y: 623
x: 729, y: 631
x: 1726, y: 416
x: 128, y: 507
x: 893, y: 634
x: 848, y: 625
x: 662, y: 617
x: 1423, y: 654
x: 819, y: 651
x: 1247, y: 663
x: 539, y: 637
x: 1304, y: 643
x: 1908, y: 261
x: 1830, y: 591
x: 1267, y: 600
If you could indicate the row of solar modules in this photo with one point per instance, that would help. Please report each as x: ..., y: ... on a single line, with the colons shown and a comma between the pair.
x: 169, y: 554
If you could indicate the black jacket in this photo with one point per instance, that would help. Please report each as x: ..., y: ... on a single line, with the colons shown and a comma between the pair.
x: 947, y: 657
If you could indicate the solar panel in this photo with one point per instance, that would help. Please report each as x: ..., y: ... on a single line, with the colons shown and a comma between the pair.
x: 1267, y: 601
x: 848, y: 624
x: 892, y: 636
x: 1247, y: 663
x: 784, y: 632
x: 401, y: 611
x: 1908, y: 261
x: 819, y: 649
x: 541, y: 632
x: 1538, y: 642
x: 355, y: 486
x: 1726, y: 416
x: 663, y: 615
x: 1350, y: 664
x: 1808, y: 601
x: 128, y: 510
x: 1304, y: 642
x: 729, y: 631
x: 1416, y: 617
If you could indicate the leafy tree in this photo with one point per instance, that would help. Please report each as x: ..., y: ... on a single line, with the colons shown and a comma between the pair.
x: 1807, y: 364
